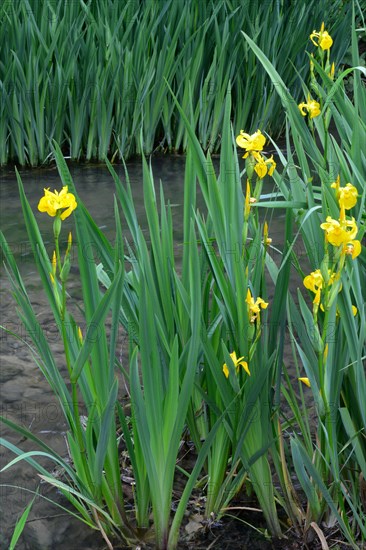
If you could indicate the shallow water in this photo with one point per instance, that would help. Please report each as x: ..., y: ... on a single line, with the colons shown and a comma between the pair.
x: 25, y: 395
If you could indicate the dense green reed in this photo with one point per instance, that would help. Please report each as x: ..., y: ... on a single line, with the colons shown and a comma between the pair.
x: 93, y: 75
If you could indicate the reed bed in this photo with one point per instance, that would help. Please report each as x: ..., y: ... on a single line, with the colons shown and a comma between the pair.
x: 94, y: 76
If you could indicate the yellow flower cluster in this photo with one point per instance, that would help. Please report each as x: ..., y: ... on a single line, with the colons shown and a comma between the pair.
x: 57, y: 204
x: 253, y: 144
x: 315, y: 281
x: 323, y: 41
x: 342, y: 232
x: 316, y: 284
x: 254, y: 307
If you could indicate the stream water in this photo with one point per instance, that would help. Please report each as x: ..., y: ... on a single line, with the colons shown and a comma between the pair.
x: 25, y: 395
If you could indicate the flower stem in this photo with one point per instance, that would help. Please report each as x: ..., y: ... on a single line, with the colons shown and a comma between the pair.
x: 75, y: 404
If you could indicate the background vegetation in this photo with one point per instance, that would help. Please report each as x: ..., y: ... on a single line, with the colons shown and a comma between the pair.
x: 92, y: 75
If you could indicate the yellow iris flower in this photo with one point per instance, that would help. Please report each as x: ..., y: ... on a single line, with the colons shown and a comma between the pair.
x: 254, y: 307
x: 254, y: 142
x: 347, y: 196
x: 54, y: 203
x: 340, y: 233
x: 263, y: 166
x: 312, y: 108
x: 321, y: 39
x: 238, y: 362
x: 315, y: 281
